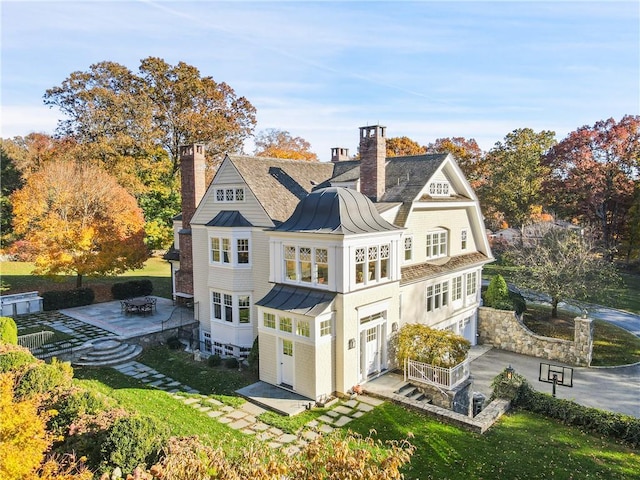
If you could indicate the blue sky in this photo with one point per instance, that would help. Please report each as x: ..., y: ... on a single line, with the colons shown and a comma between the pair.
x: 320, y: 70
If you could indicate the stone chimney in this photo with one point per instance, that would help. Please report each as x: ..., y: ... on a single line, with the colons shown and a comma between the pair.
x: 339, y: 154
x: 373, y: 153
x: 193, y: 187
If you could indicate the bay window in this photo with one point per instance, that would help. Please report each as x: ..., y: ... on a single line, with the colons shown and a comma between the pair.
x: 306, y: 264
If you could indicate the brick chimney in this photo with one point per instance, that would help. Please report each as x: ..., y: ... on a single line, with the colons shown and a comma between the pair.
x: 193, y: 187
x: 373, y: 153
x: 339, y: 154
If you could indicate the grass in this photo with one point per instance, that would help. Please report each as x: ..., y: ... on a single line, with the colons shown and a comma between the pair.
x: 291, y: 424
x: 612, y: 345
x: 18, y: 278
x: 133, y: 395
x: 626, y: 297
x: 520, y: 446
x: 180, y: 366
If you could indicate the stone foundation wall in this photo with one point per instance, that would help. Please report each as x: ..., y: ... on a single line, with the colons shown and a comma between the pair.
x: 157, y: 338
x: 504, y: 330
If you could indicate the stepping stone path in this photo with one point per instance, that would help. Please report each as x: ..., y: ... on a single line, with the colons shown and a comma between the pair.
x: 245, y: 417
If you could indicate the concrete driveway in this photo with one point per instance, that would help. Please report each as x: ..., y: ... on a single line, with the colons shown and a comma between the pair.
x: 616, y: 389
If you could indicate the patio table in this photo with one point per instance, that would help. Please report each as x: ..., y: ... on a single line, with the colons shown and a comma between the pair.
x: 138, y: 305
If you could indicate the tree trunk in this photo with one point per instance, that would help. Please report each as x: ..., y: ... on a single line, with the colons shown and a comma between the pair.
x: 554, y: 308
x: 79, y: 280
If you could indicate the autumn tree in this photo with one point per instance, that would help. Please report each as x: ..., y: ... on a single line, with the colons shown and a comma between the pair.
x: 129, y: 116
x: 280, y: 144
x: 515, y: 175
x: 468, y: 155
x: 442, y: 348
x: 594, y: 174
x: 79, y: 221
x: 565, y: 265
x: 403, y: 146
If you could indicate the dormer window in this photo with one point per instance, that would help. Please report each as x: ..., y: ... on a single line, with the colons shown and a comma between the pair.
x: 230, y: 194
x: 439, y: 189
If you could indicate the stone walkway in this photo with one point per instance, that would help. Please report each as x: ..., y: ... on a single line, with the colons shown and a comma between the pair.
x: 245, y: 417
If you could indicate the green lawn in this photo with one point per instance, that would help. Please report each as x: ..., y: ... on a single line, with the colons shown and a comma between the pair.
x: 519, y: 446
x: 18, y: 278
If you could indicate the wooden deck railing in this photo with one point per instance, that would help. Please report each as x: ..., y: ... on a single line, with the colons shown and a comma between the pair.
x: 442, y: 377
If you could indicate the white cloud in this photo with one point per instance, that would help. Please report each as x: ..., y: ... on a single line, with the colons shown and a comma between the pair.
x: 20, y: 120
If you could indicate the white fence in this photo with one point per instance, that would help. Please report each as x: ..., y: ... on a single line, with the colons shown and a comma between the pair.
x: 33, y: 341
x: 442, y: 377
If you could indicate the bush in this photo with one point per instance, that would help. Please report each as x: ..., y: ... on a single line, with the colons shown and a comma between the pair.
x: 73, y: 404
x: 131, y: 289
x: 14, y: 361
x: 518, y: 302
x: 8, y: 330
x: 254, y: 357
x: 59, y: 299
x: 132, y: 441
x: 497, y: 294
x: 214, y: 360
x: 174, y: 343
x: 623, y: 427
x: 44, y: 378
x: 231, y: 362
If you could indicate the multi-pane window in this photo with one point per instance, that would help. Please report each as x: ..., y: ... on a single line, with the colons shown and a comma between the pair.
x: 207, y: 341
x: 221, y: 250
x: 244, y: 309
x: 439, y: 188
x: 408, y: 248
x: 287, y: 348
x: 373, y: 260
x: 437, y: 244
x: 302, y: 328
x: 242, y: 246
x: 306, y: 264
x: 231, y: 308
x: 456, y: 288
x: 228, y: 308
x: 325, y: 328
x: 230, y: 194
x: 437, y: 296
x: 472, y: 283
x: 269, y: 320
x: 463, y: 239
x: 286, y: 324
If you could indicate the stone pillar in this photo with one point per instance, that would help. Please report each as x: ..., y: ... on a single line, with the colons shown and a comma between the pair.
x: 583, y: 341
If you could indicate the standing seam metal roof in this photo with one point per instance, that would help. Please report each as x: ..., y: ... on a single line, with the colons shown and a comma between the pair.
x: 299, y: 300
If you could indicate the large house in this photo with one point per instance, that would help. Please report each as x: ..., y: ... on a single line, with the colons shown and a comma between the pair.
x: 323, y: 262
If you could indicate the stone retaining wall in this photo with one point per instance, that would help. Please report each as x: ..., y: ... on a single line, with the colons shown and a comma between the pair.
x: 504, y: 330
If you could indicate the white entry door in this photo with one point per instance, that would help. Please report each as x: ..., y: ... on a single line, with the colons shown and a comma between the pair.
x: 372, y: 351
x: 286, y: 363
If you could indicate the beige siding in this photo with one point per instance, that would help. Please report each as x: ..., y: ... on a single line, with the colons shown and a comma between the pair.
x: 201, y: 272
x: 268, y: 347
x: 305, y: 369
x: 325, y: 366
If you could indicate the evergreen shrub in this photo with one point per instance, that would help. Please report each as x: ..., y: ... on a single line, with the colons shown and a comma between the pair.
x: 8, y: 330
x: 214, y: 360
x: 44, y: 378
x: 131, y: 289
x: 59, y: 299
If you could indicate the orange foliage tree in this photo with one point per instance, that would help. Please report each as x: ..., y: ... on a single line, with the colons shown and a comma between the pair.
x: 280, y: 144
x: 79, y: 221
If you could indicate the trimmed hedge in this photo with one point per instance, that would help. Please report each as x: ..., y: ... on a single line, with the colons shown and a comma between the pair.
x: 59, y: 299
x: 131, y: 289
x: 601, y: 422
x: 43, y: 378
x: 8, y: 330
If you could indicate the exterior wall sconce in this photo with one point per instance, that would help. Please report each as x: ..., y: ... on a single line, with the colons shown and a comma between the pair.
x: 352, y: 343
x: 394, y: 327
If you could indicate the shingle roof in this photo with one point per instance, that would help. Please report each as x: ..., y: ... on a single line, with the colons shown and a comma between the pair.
x: 336, y: 210
x: 172, y: 254
x: 422, y: 271
x: 229, y: 218
x: 405, y: 177
x: 278, y: 184
x: 299, y: 300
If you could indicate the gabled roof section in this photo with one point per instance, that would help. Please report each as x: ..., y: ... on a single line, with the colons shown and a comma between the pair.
x: 278, y: 184
x: 336, y: 210
x: 298, y: 300
x: 229, y: 218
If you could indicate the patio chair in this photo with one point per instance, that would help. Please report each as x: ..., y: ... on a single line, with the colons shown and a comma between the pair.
x: 152, y: 301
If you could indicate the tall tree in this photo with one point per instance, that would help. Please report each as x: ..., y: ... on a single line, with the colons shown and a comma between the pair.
x: 468, y: 155
x: 78, y: 220
x: 403, y: 146
x: 128, y: 116
x: 516, y: 173
x: 565, y: 265
x: 594, y: 172
x: 280, y: 144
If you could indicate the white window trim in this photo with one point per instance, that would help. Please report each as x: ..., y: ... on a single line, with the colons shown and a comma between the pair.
x: 235, y: 308
x: 377, y: 261
x: 464, y: 239
x: 405, y: 249
x: 319, y: 282
x: 439, y: 189
x: 429, y: 244
x: 233, y: 248
x: 440, y: 294
x: 239, y: 194
x: 471, y: 284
